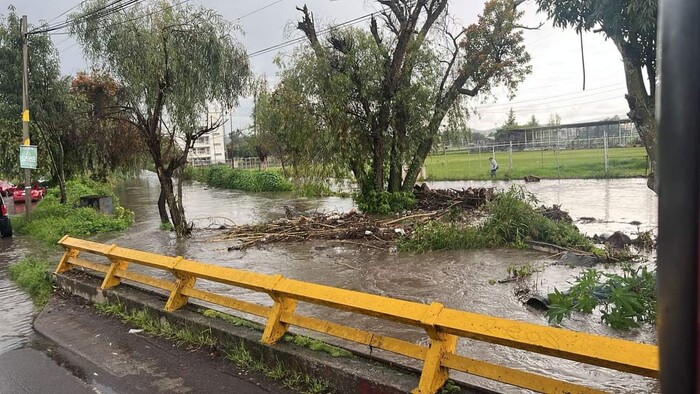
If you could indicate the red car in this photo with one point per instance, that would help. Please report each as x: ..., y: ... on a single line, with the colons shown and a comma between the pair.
x: 7, y: 188
x: 37, y: 192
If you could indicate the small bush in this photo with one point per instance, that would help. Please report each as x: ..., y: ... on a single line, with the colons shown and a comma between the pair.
x: 32, y: 275
x: 384, y: 202
x: 445, y: 236
x: 308, y: 189
x: 513, y: 219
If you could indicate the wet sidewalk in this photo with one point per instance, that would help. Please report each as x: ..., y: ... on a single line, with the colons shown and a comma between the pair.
x: 106, y: 358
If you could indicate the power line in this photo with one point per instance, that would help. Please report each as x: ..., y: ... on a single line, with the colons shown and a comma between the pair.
x: 547, y: 108
x: 125, y: 21
x: 583, y: 94
x: 67, y: 11
x: 321, y: 32
x: 257, y: 10
x: 100, y: 12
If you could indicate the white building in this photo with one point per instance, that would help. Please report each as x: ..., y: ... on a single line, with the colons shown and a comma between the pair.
x: 210, y: 148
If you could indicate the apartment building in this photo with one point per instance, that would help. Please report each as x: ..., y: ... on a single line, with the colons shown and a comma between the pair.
x: 210, y: 148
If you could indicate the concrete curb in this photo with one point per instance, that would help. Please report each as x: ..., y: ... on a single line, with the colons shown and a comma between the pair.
x: 354, y: 374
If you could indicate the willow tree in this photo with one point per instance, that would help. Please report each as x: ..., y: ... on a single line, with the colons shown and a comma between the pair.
x: 397, y: 86
x: 631, y: 25
x: 172, y: 61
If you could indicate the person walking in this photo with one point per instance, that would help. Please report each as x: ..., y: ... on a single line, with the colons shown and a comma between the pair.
x: 494, y: 167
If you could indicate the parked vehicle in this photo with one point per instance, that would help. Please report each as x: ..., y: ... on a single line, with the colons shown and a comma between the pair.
x: 7, y: 188
x: 37, y: 192
x: 5, y: 225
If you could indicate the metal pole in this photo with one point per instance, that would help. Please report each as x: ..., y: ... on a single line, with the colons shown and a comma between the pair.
x: 605, y: 149
x: 510, y: 157
x: 557, y: 154
x: 25, y: 114
x: 679, y: 196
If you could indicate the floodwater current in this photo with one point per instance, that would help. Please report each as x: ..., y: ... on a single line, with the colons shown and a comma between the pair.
x: 459, y: 279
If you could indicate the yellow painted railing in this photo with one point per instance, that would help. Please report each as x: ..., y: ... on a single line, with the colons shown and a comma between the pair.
x: 444, y: 326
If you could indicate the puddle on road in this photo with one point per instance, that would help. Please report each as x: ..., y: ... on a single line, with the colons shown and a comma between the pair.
x: 16, y: 308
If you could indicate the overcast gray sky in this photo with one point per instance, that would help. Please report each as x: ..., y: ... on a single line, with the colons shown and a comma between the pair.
x: 555, y: 85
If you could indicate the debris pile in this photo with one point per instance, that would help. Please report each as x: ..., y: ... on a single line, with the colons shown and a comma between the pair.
x: 442, y: 199
x: 330, y: 226
x: 555, y: 213
x: 354, y: 227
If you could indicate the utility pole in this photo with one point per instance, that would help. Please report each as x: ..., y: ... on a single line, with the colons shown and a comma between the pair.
x: 25, y: 113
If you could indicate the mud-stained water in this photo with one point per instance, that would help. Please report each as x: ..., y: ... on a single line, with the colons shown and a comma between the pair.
x: 459, y: 280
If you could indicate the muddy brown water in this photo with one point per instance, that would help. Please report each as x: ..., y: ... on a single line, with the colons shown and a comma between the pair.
x: 459, y: 279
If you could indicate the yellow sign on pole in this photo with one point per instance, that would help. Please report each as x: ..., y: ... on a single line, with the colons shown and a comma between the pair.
x: 25, y: 116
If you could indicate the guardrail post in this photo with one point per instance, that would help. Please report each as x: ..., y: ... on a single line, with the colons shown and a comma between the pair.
x: 275, y: 328
x: 176, y: 299
x: 63, y: 264
x: 110, y: 279
x: 434, y: 375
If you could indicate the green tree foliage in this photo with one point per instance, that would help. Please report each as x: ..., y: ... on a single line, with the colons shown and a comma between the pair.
x: 78, y: 125
x: 631, y: 25
x: 510, y: 122
x: 240, y: 145
x: 380, y: 97
x: 44, y: 75
x: 172, y: 60
x: 111, y: 142
x: 554, y: 120
x: 533, y: 122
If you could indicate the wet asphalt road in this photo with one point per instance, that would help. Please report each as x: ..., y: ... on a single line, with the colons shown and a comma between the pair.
x: 31, y: 371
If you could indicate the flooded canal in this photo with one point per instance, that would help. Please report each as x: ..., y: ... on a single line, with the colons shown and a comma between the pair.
x: 458, y: 279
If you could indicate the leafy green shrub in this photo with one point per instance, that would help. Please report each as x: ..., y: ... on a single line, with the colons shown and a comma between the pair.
x: 225, y: 177
x: 384, y: 202
x: 32, y: 275
x: 445, y: 236
x: 314, y: 189
x: 76, y: 188
x: 514, y: 219
x: 624, y: 300
x: 51, y: 220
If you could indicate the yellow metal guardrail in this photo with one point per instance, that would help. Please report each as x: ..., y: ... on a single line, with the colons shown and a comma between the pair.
x: 444, y: 326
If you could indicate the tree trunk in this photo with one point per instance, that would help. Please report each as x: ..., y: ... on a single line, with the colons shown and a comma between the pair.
x: 162, y: 210
x: 642, y: 110
x: 418, y: 159
x: 378, y: 164
x: 395, y: 167
x: 177, y: 215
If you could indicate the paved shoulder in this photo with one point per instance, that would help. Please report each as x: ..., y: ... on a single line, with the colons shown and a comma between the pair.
x: 31, y: 371
x: 138, y: 363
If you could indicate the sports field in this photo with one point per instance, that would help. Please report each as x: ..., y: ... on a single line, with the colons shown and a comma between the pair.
x: 546, y: 164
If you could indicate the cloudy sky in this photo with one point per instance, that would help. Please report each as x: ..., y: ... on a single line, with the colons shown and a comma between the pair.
x: 555, y: 85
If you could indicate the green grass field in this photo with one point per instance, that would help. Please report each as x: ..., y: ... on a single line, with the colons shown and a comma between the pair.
x: 580, y: 163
